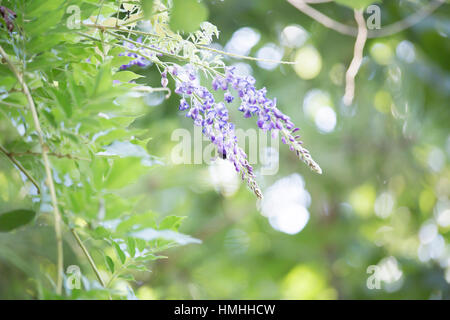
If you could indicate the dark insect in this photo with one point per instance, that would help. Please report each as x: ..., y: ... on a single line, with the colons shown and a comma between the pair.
x: 8, y: 16
x: 222, y: 154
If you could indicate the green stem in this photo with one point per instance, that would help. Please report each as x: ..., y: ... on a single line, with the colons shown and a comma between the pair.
x: 116, y: 274
x: 233, y: 55
x: 21, y: 168
x: 53, y: 154
x: 149, y: 48
x: 88, y: 256
x: 13, y: 105
x: 48, y: 170
x: 99, y: 11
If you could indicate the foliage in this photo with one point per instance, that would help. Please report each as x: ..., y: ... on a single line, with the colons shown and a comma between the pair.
x: 87, y: 107
x: 122, y: 203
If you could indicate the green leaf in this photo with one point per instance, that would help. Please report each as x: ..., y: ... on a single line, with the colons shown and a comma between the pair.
x: 120, y: 60
x: 141, y: 244
x: 131, y: 245
x: 41, y: 8
x: 138, y: 220
x: 126, y: 76
x: 62, y: 97
x: 14, y: 219
x: 171, y: 222
x: 128, y: 277
x: 99, y: 168
x: 152, y: 234
x: 147, y: 6
x: 109, y: 263
x: 100, y: 233
x: 356, y: 4
x: 149, y: 257
x: 139, y: 267
x: 102, y: 82
x: 187, y: 15
x: 124, y: 172
x: 119, y: 252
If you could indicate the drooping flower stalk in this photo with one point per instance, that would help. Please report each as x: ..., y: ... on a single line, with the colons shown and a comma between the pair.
x: 139, y: 59
x: 254, y: 102
x: 213, y: 116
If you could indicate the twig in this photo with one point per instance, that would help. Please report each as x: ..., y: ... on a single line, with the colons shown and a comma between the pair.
x: 361, y: 33
x: 151, y: 90
x: 357, y: 58
x: 48, y: 170
x: 322, y: 18
x: 133, y: 21
x: 88, y: 256
x: 387, y: 30
x: 12, y: 105
x: 317, y: 1
x: 53, y: 154
x: 21, y: 168
x: 137, y: 32
x: 239, y: 56
x: 407, y: 22
x: 117, y: 273
x: 172, y: 55
x: 99, y: 11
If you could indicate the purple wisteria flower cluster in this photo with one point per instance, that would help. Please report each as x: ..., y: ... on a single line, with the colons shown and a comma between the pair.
x: 140, y: 59
x: 213, y: 117
x: 254, y: 102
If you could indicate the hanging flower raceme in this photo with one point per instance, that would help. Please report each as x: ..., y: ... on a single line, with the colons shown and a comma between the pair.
x: 254, y: 102
x: 200, y: 105
x: 213, y: 117
x: 139, y: 59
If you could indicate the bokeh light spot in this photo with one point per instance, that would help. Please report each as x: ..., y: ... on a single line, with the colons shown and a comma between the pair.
x: 308, y: 62
x: 381, y: 53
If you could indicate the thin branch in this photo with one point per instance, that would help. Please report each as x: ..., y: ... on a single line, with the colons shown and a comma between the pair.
x: 322, y: 18
x: 407, y: 22
x: 387, y: 30
x: 318, y: 1
x: 117, y: 273
x: 138, y: 52
x: 133, y: 21
x: 118, y: 12
x: 12, y: 105
x: 357, y: 58
x: 172, y: 55
x: 137, y: 32
x: 48, y: 168
x: 88, y: 256
x: 99, y: 11
x: 53, y: 154
x: 361, y: 33
x: 239, y: 56
x: 151, y: 90
x: 21, y: 168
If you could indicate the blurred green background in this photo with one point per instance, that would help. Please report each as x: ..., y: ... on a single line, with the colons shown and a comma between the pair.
x: 383, y: 197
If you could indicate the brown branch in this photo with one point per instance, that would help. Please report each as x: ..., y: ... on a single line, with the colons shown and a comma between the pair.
x: 317, y: 1
x: 88, y: 256
x: 408, y: 22
x: 322, y: 18
x: 357, y: 58
x: 199, y: 46
x: 12, y: 105
x: 361, y: 33
x: 21, y: 168
x: 53, y: 154
x: 47, y: 165
x: 387, y: 30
